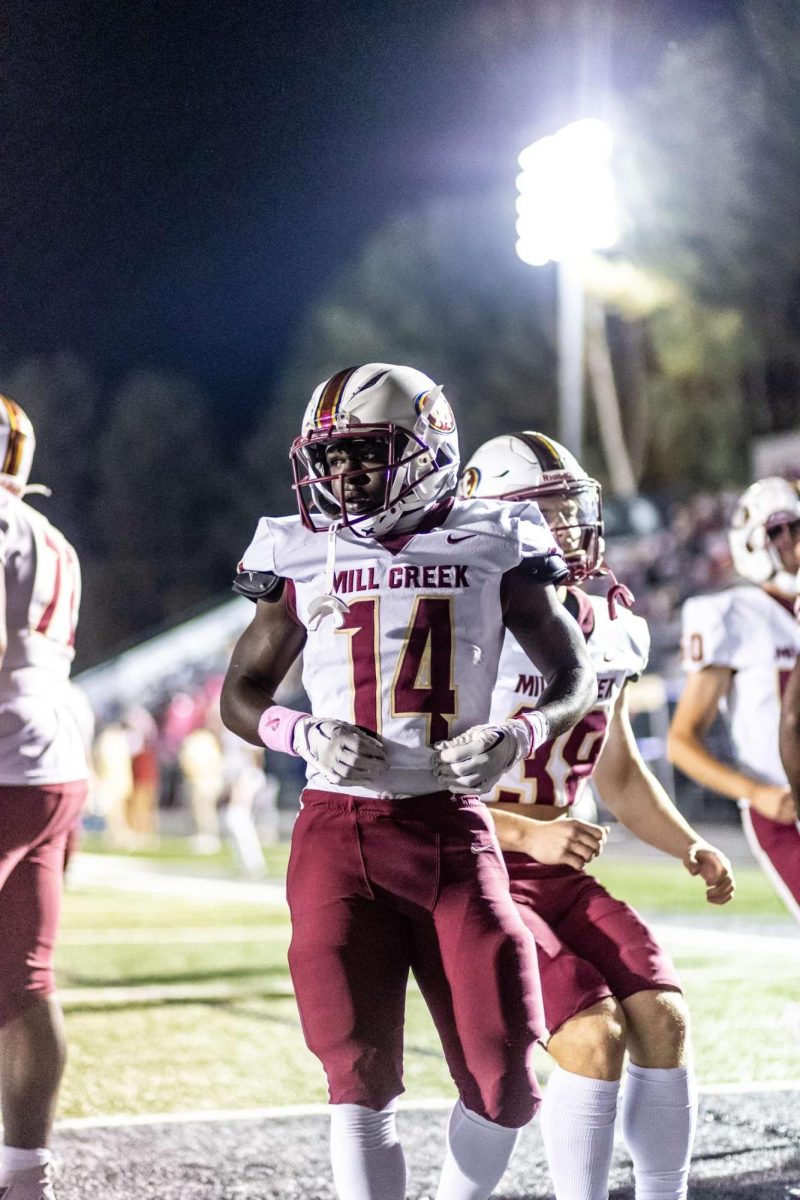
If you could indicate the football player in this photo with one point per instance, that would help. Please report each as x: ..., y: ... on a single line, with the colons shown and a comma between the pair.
x: 42, y: 791
x: 606, y: 982
x: 739, y: 647
x: 397, y: 597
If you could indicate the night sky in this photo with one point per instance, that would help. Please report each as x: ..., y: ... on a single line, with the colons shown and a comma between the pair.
x: 180, y: 180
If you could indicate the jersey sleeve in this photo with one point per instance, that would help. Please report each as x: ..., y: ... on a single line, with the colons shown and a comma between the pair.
x: 260, y: 554
x: 639, y: 639
x: 711, y: 633
x: 537, y: 546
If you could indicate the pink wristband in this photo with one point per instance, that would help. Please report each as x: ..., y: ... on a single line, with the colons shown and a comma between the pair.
x: 276, y: 726
x: 539, y: 727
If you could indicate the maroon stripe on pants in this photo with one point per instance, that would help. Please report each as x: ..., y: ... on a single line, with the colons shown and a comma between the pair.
x: 377, y: 888
x: 35, y: 823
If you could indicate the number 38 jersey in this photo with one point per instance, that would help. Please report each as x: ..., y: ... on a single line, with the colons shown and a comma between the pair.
x: 40, y: 733
x: 416, y: 656
x: 757, y: 637
x: 558, y: 772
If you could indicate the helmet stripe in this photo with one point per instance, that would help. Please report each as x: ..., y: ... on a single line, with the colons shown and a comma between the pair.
x: 548, y: 457
x: 331, y: 397
x: 16, y: 439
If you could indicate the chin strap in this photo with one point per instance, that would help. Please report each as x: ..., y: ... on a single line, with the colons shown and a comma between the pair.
x: 328, y: 604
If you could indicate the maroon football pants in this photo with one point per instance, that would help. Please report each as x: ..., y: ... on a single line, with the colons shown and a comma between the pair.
x: 380, y: 887
x: 35, y: 823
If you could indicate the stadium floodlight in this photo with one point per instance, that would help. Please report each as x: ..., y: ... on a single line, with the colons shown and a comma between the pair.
x: 566, y: 209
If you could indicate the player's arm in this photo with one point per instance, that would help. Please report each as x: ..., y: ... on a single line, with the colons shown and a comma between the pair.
x: 474, y: 760
x: 790, y: 734
x: 554, y: 642
x: 342, y: 752
x: 260, y: 660
x: 630, y: 790
x: 693, y: 718
x: 566, y: 841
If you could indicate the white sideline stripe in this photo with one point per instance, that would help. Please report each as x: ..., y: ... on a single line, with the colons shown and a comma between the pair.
x: 175, y: 935
x: 159, y: 993
x: 438, y: 1104
x: 765, y: 862
x: 118, y: 873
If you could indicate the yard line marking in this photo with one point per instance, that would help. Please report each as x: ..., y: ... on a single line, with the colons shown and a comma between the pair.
x: 435, y: 1104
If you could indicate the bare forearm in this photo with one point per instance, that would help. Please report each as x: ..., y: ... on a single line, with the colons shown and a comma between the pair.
x: 259, y: 662
x: 241, y: 704
x: 640, y: 803
x: 568, y: 696
x: 513, y: 830
x: 692, y: 757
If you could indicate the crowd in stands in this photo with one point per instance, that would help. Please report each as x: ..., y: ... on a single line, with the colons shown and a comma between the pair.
x: 175, y: 764
x: 665, y: 557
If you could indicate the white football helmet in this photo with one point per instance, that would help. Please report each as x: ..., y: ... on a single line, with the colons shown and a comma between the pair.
x: 530, y: 466
x: 17, y: 443
x: 409, y: 413
x: 767, y: 505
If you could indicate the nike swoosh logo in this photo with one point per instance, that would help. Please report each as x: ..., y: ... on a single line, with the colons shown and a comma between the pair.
x: 451, y: 537
x: 480, y: 849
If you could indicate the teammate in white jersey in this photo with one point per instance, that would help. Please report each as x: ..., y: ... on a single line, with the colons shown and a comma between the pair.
x: 606, y: 982
x: 42, y: 791
x: 397, y: 596
x: 739, y: 648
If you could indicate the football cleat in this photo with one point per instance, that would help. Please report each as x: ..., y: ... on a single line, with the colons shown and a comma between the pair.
x: 34, y: 1183
x: 406, y: 419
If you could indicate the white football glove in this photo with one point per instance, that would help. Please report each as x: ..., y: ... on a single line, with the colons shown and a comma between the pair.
x: 475, y: 760
x: 343, y: 753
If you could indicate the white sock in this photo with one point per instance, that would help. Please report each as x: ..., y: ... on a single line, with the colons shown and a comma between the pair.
x: 478, y: 1152
x: 366, y: 1155
x: 659, y: 1114
x: 14, y: 1159
x: 577, y: 1121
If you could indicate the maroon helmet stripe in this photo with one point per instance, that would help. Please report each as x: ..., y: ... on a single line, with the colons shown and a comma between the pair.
x: 546, y: 454
x: 331, y: 396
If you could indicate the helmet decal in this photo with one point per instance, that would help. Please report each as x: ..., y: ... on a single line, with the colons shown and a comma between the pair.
x: 469, y: 482
x: 436, y: 410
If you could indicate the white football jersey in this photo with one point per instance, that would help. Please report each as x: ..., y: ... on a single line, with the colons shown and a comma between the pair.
x: 416, y: 657
x: 758, y: 638
x: 558, y: 772
x: 40, y: 727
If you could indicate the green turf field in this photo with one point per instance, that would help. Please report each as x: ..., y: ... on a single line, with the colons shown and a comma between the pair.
x: 176, y: 1004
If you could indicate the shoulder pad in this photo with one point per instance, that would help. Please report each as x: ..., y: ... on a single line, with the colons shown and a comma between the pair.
x: 544, y: 568
x: 258, y: 585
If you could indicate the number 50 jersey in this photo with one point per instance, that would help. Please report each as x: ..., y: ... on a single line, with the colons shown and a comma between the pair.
x: 416, y: 657
x: 40, y: 735
x: 559, y: 770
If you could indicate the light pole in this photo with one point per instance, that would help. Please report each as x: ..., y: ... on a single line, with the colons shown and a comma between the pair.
x: 566, y: 208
